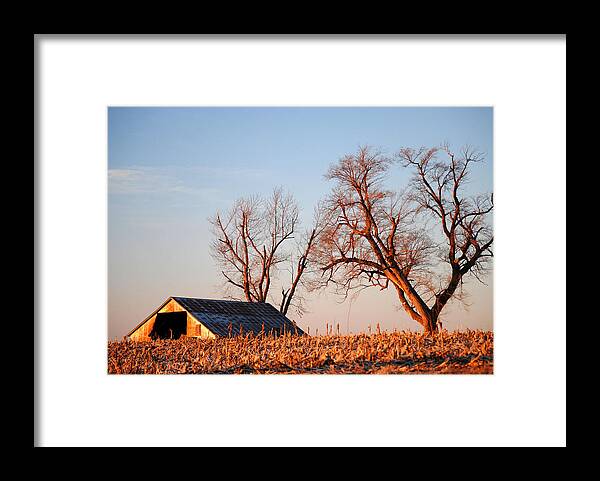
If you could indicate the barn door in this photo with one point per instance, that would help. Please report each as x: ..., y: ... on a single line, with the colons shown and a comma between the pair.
x: 169, y: 325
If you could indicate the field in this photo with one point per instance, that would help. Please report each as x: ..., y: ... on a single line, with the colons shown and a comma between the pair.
x: 469, y: 352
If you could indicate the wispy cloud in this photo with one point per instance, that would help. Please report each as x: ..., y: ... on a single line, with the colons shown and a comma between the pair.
x: 145, y: 180
x: 133, y: 181
x: 175, y: 179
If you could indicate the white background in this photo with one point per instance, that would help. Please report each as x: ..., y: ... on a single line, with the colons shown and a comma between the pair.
x: 523, y: 403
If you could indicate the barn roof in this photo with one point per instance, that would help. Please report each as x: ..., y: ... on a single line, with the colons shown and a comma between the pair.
x: 225, y: 317
x: 218, y: 316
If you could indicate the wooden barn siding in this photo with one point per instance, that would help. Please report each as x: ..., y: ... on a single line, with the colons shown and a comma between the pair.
x: 194, y: 328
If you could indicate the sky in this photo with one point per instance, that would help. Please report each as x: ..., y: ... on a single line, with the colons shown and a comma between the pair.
x: 170, y: 169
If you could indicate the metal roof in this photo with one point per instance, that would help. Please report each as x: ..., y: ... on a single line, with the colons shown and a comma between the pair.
x: 223, y: 318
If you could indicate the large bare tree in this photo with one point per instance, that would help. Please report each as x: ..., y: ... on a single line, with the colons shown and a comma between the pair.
x: 251, y: 241
x: 421, y: 241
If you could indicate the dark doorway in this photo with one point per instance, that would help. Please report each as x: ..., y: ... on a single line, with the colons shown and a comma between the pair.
x: 169, y: 325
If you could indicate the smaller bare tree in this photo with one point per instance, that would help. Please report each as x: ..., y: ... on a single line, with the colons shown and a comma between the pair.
x: 301, y: 265
x: 253, y: 239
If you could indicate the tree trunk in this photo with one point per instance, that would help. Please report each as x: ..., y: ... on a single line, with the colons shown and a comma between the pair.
x: 429, y: 321
x: 420, y: 313
x: 430, y: 324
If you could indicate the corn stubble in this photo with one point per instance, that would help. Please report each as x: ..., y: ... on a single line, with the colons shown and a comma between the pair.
x: 469, y: 352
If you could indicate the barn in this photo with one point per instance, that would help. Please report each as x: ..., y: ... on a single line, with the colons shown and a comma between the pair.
x: 211, y: 318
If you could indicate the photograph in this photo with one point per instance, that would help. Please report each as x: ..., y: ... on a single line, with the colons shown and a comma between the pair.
x: 300, y: 240
x: 362, y: 230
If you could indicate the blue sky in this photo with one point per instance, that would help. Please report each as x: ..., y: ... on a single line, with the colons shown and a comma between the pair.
x: 169, y: 169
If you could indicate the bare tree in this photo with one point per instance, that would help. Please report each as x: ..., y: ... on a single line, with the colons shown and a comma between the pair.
x: 376, y: 237
x: 305, y: 251
x: 250, y: 242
